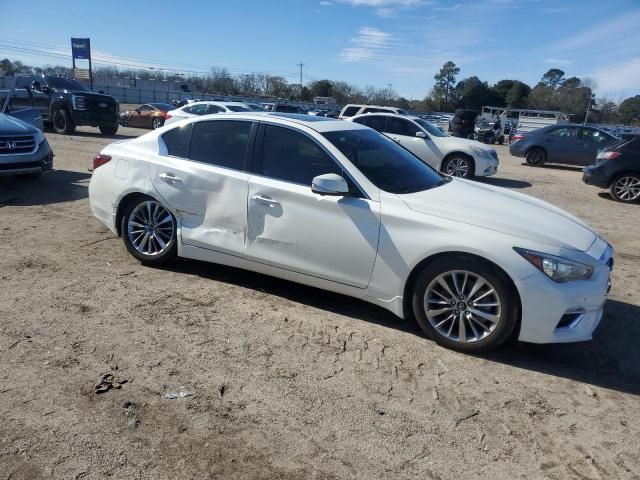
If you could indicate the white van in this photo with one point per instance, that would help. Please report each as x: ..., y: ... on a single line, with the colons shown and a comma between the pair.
x: 352, y: 110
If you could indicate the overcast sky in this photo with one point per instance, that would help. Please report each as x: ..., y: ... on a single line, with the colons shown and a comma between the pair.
x: 368, y: 42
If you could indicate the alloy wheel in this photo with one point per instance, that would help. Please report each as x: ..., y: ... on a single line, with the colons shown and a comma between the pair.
x: 150, y: 228
x: 627, y: 188
x: 157, y: 123
x: 457, y: 167
x: 59, y: 121
x: 462, y: 306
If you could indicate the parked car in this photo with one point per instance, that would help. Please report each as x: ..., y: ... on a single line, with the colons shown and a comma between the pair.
x: 341, y: 207
x: 284, y: 108
x: 18, y: 102
x: 617, y: 168
x: 454, y: 156
x: 204, y: 108
x: 564, y: 143
x: 352, y: 110
x: 149, y: 115
x: 24, y: 150
x: 66, y: 104
x: 256, y: 107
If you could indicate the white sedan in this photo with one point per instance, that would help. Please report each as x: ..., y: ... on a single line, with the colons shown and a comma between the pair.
x: 454, y: 156
x: 197, y: 109
x: 338, y: 206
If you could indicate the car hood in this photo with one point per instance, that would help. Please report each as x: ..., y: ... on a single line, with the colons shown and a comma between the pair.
x: 12, y: 126
x: 459, y: 143
x: 504, y: 211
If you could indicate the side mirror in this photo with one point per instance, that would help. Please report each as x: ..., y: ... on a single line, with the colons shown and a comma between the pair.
x: 420, y: 134
x: 137, y: 110
x: 330, y: 184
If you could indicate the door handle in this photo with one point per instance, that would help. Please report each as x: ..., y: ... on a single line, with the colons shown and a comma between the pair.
x: 169, y: 178
x: 260, y: 200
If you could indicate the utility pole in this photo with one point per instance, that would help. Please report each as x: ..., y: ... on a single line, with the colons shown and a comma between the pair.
x: 389, y: 94
x: 300, y: 65
x: 591, y: 99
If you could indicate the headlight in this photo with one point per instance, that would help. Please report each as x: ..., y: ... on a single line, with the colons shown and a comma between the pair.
x: 79, y: 103
x: 39, y: 136
x: 558, y: 269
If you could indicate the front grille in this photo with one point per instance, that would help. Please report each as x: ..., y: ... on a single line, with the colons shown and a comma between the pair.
x: 10, y: 145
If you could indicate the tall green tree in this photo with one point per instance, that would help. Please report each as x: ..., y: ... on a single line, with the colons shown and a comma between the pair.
x: 629, y: 110
x: 517, y: 95
x: 553, y: 78
x: 443, y: 90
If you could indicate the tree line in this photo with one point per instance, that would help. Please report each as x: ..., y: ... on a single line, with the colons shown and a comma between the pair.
x: 554, y: 91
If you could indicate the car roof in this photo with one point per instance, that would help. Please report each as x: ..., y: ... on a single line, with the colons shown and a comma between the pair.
x: 319, y: 124
x: 387, y: 114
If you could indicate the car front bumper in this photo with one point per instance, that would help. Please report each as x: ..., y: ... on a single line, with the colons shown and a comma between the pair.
x: 95, y: 118
x: 565, y: 312
x: 39, y: 161
x: 486, y: 165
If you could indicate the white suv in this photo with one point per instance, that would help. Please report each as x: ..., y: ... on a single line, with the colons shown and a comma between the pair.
x: 454, y: 156
x: 352, y: 110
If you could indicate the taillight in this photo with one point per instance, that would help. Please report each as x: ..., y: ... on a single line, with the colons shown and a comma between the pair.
x: 100, y: 160
x: 516, y: 138
x: 608, y: 155
x: 167, y: 116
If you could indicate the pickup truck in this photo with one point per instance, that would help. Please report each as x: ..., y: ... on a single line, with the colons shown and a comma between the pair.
x: 65, y: 104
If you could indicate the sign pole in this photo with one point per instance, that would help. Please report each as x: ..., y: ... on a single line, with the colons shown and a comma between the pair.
x: 90, y: 70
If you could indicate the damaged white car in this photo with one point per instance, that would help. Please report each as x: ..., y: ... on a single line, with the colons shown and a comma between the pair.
x: 341, y: 207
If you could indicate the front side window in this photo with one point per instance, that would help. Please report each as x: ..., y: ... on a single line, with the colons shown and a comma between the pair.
x: 221, y: 142
x: 430, y: 128
x: 385, y: 163
x: 293, y: 157
x: 400, y: 126
x: 596, y: 136
x: 177, y: 141
x: 211, y: 109
x: 145, y: 108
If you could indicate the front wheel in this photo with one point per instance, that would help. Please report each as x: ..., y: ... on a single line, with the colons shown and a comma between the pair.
x: 458, y: 166
x: 157, y: 122
x: 626, y: 188
x: 149, y: 231
x: 463, y: 304
x: 62, y: 122
x: 109, y: 130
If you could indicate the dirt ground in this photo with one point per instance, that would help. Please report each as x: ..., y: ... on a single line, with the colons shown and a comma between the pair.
x: 287, y: 382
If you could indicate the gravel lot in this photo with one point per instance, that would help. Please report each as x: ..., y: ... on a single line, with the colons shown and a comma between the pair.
x: 287, y: 381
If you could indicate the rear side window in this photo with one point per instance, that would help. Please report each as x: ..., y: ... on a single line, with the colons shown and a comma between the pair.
x: 350, y: 111
x: 222, y: 143
x: 377, y: 122
x: 212, y: 109
x: 293, y: 157
x: 177, y: 141
x: 200, y: 109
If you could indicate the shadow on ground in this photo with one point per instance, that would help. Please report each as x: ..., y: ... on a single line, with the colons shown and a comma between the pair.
x: 611, y: 360
x: 55, y: 186
x: 97, y: 134
x: 569, y: 168
x: 504, y: 182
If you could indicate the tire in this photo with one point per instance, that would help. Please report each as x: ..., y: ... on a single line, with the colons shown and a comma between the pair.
x: 625, y: 188
x: 62, y: 122
x: 458, y: 165
x: 501, y: 140
x: 124, y: 121
x: 136, y: 225
x: 485, y: 327
x: 110, y: 130
x: 535, y: 157
x: 157, y: 122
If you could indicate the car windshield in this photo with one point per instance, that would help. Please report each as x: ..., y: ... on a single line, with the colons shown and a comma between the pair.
x: 430, y: 128
x: 385, y: 163
x: 66, y: 84
x: 238, y: 108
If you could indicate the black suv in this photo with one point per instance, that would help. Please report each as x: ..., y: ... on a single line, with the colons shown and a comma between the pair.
x: 66, y: 104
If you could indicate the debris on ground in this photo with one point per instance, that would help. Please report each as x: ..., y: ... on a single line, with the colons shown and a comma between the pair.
x: 107, y: 382
x: 181, y: 393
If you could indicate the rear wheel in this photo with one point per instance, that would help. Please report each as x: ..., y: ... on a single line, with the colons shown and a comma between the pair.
x: 626, y: 188
x: 149, y: 231
x: 458, y: 166
x: 157, y: 122
x: 464, y: 304
x: 62, y: 122
x: 536, y: 157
